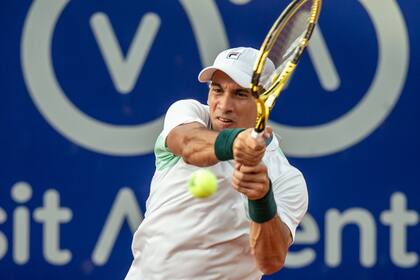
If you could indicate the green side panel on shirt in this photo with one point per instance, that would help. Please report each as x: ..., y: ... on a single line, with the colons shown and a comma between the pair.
x: 164, y: 158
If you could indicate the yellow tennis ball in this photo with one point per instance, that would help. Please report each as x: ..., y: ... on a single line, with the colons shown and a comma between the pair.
x: 202, y: 183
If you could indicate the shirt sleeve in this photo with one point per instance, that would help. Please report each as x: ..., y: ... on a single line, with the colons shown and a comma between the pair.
x: 183, y: 112
x: 289, y: 187
x: 291, y: 197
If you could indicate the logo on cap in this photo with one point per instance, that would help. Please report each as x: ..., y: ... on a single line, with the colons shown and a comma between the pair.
x: 234, y: 55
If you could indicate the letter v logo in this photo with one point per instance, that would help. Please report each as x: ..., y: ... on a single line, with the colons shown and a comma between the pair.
x: 124, y: 71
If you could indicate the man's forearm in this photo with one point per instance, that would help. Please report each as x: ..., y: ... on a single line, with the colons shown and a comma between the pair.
x: 194, y: 143
x: 269, y: 243
x: 199, y: 148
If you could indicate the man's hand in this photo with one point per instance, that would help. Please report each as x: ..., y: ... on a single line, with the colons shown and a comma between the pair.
x: 252, y: 181
x: 247, y: 150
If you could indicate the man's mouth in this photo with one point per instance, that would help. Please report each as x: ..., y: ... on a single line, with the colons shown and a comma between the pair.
x: 224, y: 120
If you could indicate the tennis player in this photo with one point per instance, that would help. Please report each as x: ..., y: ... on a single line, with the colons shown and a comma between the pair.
x: 245, y: 229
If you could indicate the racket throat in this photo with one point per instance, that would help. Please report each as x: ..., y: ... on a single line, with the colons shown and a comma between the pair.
x: 262, y: 115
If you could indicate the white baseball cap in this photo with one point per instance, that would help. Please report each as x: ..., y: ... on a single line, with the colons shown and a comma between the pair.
x: 238, y: 64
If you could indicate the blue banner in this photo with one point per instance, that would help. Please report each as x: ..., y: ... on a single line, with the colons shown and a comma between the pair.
x: 85, y: 84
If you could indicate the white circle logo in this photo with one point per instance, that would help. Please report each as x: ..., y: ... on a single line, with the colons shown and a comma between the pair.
x: 377, y: 103
x: 60, y: 112
x: 210, y: 36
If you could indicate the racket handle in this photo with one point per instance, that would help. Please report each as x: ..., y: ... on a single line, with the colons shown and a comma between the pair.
x: 255, y: 134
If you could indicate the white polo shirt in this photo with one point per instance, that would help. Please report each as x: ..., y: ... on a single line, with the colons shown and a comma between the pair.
x: 182, y: 237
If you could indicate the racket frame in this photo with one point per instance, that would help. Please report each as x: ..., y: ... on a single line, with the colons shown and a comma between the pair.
x: 265, y: 99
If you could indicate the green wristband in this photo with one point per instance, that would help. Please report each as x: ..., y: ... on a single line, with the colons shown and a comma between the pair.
x: 263, y: 209
x: 224, y: 143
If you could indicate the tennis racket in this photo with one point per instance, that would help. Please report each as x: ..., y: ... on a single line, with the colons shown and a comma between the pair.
x: 283, y: 46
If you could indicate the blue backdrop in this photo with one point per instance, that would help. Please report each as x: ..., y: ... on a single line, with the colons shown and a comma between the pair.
x: 84, y: 85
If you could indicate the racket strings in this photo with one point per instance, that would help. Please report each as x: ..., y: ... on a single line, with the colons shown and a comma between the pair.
x: 284, y: 41
x: 290, y: 37
x: 286, y: 45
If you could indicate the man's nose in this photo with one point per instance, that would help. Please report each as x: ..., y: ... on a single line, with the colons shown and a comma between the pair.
x: 226, y: 102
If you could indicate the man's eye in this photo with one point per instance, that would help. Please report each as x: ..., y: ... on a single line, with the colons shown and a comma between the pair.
x: 241, y: 94
x: 217, y: 90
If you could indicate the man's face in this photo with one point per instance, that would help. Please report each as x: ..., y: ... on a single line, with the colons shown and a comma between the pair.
x: 231, y: 105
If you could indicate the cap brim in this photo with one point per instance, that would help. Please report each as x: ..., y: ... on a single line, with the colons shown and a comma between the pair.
x: 206, y: 74
x: 238, y: 77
